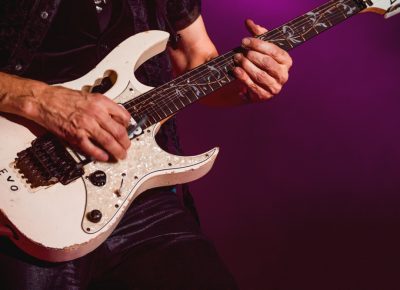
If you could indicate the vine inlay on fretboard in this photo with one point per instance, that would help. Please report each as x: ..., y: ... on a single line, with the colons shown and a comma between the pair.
x: 169, y: 98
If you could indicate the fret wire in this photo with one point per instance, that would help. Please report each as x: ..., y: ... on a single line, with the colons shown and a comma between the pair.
x: 177, y: 108
x: 144, y: 96
x: 298, y: 33
x: 206, y: 84
x: 169, y: 98
x: 298, y: 20
x: 321, y: 9
x: 173, y: 97
x: 154, y: 119
x: 183, y: 104
x: 330, y: 4
x: 156, y: 111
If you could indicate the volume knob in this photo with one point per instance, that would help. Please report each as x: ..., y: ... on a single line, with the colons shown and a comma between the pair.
x: 95, y: 216
x: 98, y: 178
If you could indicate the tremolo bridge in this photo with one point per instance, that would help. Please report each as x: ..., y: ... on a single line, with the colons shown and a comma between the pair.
x: 47, y: 162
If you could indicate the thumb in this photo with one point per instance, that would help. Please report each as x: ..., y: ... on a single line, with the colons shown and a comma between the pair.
x: 253, y: 28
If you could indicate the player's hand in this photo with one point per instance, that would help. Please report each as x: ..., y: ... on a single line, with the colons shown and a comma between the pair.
x: 91, y: 122
x: 263, y: 68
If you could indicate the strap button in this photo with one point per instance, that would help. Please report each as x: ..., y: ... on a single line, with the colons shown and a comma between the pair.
x: 18, y: 67
x: 44, y: 15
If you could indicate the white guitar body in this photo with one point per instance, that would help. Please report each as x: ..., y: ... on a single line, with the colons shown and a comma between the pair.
x: 51, y: 223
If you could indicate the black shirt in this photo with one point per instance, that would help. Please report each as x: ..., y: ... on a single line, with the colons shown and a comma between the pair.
x: 79, y: 38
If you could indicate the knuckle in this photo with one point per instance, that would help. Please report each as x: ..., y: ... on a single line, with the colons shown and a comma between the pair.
x: 271, y: 48
x: 241, y: 74
x: 107, y: 139
x: 242, y: 60
x: 79, y: 120
x: 126, y: 114
x: 281, y: 53
x: 94, y: 109
x: 259, y: 44
x: 261, y: 77
x: 120, y: 132
x: 253, y: 87
x: 266, y: 61
x: 98, y: 96
x: 251, y: 54
x: 100, y: 101
x: 284, y: 77
x: 290, y: 61
x: 86, y: 121
x: 276, y: 52
x: 265, y: 95
x: 245, y: 79
x: 80, y: 138
x: 275, y: 89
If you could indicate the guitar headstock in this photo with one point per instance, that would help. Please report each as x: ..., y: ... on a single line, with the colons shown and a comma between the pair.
x: 388, y: 8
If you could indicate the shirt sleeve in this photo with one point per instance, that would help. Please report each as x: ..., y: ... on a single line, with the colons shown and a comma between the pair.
x: 182, y: 13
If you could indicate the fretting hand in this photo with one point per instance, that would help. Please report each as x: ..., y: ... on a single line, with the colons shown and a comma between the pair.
x: 263, y: 68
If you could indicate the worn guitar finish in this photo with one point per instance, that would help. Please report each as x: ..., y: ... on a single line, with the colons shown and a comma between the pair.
x: 57, y: 222
x: 57, y: 205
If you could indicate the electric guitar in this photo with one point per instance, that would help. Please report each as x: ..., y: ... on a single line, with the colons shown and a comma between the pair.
x: 58, y: 205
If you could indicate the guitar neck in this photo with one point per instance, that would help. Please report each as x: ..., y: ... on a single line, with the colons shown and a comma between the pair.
x: 164, y: 101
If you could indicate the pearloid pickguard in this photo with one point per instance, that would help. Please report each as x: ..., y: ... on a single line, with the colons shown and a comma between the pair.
x: 51, y: 223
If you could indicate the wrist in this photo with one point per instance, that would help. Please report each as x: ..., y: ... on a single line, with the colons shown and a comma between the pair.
x: 20, y: 96
x: 33, y: 92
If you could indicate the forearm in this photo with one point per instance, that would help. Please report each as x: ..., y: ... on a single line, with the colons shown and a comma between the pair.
x: 91, y: 122
x: 260, y: 71
x: 185, y: 60
x: 19, y: 95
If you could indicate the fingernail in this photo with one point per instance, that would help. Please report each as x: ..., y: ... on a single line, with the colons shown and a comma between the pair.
x: 104, y: 157
x: 237, y: 71
x: 237, y: 57
x: 246, y: 41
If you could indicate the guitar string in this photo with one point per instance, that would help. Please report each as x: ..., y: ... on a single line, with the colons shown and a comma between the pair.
x: 172, y: 100
x: 156, y: 94
x: 274, y: 33
x: 171, y: 95
x: 222, y: 58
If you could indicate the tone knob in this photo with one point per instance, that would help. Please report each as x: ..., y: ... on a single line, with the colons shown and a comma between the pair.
x: 98, y: 178
x: 94, y: 216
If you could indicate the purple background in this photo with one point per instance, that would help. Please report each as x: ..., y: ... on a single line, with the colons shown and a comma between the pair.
x: 306, y: 191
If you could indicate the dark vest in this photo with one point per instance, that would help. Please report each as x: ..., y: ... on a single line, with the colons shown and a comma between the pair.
x: 24, y: 25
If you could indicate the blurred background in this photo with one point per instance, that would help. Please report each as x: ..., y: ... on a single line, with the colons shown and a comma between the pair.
x: 306, y: 191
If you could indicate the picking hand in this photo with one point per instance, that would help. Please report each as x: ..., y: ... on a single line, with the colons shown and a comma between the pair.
x: 91, y: 122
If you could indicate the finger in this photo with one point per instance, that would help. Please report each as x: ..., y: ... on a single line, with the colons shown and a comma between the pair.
x: 268, y: 64
x: 258, y: 76
x: 268, y: 48
x: 119, y: 113
x: 254, y: 28
x: 89, y: 149
x: 116, y: 130
x: 108, y: 142
x: 123, y: 117
x: 259, y: 93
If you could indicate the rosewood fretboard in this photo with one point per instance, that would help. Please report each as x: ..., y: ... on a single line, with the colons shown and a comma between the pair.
x: 169, y: 98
